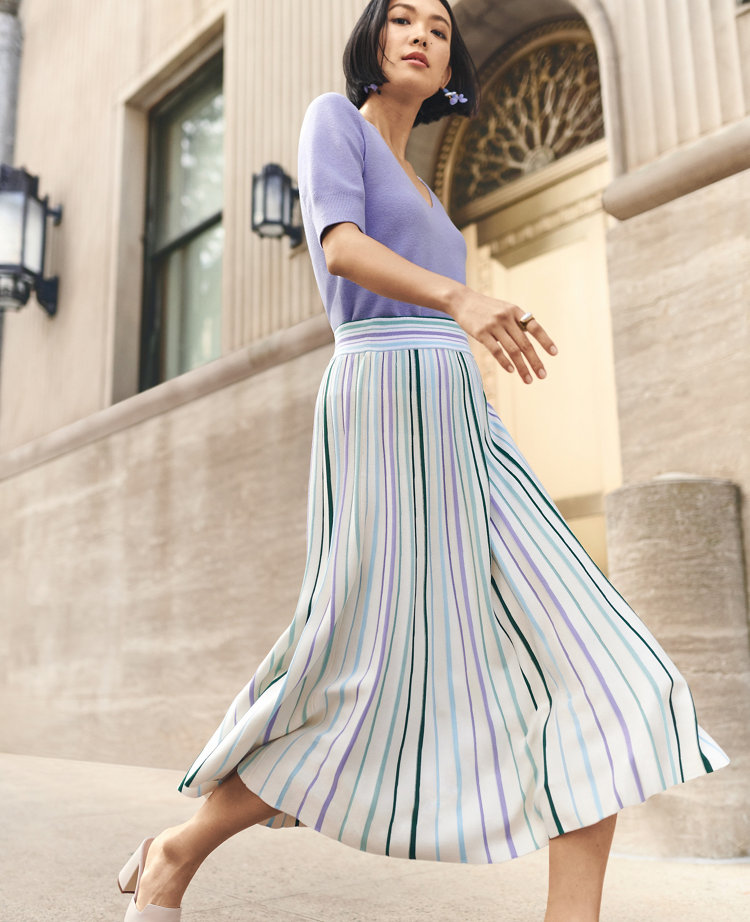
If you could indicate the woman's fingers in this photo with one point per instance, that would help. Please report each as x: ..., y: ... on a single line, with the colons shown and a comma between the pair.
x: 495, y: 324
x: 513, y: 349
x: 518, y: 347
x: 540, y: 334
x: 523, y: 343
x: 493, y: 346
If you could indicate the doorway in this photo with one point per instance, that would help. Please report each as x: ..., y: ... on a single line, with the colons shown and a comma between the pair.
x: 524, y: 182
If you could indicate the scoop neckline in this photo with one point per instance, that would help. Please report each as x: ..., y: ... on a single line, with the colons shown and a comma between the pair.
x: 430, y: 192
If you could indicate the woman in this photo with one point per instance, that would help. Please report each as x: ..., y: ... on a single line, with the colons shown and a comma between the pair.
x: 459, y: 681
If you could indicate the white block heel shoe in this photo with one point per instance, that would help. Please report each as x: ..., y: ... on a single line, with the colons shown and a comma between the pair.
x: 128, y: 880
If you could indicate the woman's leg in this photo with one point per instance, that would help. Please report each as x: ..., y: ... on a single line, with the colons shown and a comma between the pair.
x: 177, y: 853
x: 577, y: 862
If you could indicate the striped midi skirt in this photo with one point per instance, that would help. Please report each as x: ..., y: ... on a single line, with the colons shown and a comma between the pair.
x: 459, y: 681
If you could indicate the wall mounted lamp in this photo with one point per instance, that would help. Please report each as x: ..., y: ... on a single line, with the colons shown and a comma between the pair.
x: 275, y: 198
x: 23, y: 237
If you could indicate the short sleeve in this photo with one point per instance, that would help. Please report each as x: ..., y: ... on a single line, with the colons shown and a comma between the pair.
x: 331, y: 164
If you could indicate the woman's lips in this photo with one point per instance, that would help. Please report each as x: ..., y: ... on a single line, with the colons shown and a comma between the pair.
x: 415, y: 61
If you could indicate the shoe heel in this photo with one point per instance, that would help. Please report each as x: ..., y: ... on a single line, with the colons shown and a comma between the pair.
x: 127, y: 877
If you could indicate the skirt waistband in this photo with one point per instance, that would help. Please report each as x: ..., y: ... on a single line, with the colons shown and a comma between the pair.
x: 389, y: 333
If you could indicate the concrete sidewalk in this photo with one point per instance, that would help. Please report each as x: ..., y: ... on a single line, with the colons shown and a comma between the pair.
x: 67, y: 827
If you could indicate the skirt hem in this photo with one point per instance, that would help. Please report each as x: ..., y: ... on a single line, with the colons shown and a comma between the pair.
x: 305, y: 818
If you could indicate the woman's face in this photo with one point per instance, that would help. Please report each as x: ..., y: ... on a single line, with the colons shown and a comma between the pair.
x: 417, y: 27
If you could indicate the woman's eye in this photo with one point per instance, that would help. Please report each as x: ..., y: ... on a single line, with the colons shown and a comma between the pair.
x: 401, y: 19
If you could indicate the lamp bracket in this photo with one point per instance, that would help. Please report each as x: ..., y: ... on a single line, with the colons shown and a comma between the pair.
x: 46, y: 294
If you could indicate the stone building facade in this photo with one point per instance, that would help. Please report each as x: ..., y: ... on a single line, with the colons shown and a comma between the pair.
x: 155, y: 433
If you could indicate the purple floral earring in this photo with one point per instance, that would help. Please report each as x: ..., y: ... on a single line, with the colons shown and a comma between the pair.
x: 454, y: 97
x: 372, y: 86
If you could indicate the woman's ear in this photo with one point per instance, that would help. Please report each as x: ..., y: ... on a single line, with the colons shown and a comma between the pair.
x: 448, y: 75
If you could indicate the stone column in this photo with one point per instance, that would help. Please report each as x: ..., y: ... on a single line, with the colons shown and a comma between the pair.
x: 675, y: 553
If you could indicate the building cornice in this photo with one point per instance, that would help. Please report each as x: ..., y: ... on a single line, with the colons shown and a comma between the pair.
x: 273, y: 350
x: 721, y: 154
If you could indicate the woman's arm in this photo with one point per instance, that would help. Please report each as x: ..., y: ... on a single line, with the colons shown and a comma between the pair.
x: 371, y: 264
x: 367, y: 262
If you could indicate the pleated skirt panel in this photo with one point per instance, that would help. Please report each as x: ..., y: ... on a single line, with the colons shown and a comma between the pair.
x: 459, y: 681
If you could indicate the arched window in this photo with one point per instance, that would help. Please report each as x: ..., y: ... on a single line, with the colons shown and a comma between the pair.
x: 541, y: 101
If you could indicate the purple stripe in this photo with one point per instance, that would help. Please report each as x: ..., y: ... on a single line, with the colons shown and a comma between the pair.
x: 463, y: 644
x: 407, y: 336
x: 387, y: 343
x: 467, y: 601
x: 384, y: 635
x: 592, y: 663
x: 347, y: 370
x: 587, y: 654
x: 501, y: 792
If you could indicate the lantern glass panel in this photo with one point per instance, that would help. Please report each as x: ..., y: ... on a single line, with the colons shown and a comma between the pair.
x: 296, y: 209
x: 258, y: 186
x: 275, y: 199
x: 34, y: 242
x: 11, y: 228
x: 287, y: 204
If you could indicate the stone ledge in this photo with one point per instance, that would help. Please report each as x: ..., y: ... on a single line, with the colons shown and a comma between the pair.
x: 279, y: 347
x: 721, y: 154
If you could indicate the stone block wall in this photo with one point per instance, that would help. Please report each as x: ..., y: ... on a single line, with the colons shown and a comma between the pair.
x: 143, y: 577
x: 680, y: 303
x: 676, y: 555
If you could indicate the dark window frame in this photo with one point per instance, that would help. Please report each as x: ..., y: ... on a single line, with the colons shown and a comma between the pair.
x: 151, y: 364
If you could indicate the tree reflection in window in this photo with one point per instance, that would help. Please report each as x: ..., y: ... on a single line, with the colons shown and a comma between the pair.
x: 184, y: 240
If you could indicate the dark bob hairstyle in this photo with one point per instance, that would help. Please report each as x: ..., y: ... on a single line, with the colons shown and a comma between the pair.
x: 362, y: 67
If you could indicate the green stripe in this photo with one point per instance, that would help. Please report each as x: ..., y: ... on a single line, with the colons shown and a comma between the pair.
x: 515, y: 464
x: 534, y: 660
x: 418, y: 391
x: 417, y: 780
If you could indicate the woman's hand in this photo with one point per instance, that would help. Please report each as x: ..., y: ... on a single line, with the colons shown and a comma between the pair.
x: 494, y: 323
x: 367, y: 262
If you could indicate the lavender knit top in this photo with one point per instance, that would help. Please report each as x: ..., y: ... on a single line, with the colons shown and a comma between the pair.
x: 347, y: 172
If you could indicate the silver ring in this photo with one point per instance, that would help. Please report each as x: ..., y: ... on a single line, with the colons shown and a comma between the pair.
x: 525, y: 319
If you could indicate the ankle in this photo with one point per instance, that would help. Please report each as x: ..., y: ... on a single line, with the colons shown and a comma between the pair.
x: 173, y: 847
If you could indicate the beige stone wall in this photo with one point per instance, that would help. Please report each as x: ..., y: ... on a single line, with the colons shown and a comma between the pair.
x: 143, y: 577
x: 672, y: 73
x: 680, y: 302
x: 76, y: 58
x: 283, y: 54
x: 90, y: 72
x: 676, y: 555
x: 685, y: 70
